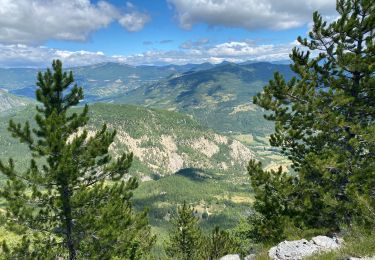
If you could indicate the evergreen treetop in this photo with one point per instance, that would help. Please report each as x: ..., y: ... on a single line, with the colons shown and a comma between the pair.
x: 185, y: 240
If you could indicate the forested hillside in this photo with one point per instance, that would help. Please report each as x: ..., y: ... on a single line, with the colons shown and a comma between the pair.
x: 174, y: 158
x: 220, y: 97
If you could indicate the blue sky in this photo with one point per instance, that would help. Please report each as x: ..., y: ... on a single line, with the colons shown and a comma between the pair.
x: 82, y: 32
x: 164, y: 32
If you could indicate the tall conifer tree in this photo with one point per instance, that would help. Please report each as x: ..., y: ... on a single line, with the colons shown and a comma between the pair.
x: 219, y: 244
x: 185, y: 240
x: 71, y: 202
x: 325, y: 123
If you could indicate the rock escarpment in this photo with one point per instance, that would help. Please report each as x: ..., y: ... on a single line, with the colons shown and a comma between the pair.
x: 299, y: 249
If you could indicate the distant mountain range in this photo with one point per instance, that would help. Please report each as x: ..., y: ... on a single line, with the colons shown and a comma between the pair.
x: 100, y: 80
x: 219, y: 96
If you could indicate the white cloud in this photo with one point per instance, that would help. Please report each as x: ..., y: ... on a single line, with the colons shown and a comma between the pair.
x: 250, y: 14
x: 17, y: 55
x: 134, y: 21
x: 243, y: 49
x: 36, y: 21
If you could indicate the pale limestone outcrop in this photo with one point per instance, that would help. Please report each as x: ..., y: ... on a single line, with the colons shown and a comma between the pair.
x: 300, y: 249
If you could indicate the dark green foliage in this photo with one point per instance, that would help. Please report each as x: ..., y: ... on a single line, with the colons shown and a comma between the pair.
x: 272, y: 192
x: 219, y: 244
x: 185, y: 240
x: 71, y: 202
x: 325, y: 124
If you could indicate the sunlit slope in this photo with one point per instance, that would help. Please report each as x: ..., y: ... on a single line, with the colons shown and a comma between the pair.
x: 9, y: 102
x: 220, y: 97
x: 163, y: 142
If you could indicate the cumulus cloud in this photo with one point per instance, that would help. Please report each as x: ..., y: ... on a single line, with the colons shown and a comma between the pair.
x: 36, y: 21
x: 239, y: 49
x: 231, y: 51
x: 247, y: 50
x: 19, y: 55
x: 250, y: 14
x: 236, y: 51
x: 134, y: 21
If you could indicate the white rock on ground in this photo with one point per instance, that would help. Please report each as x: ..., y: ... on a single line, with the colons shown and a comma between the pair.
x: 362, y: 258
x: 326, y: 242
x: 250, y: 257
x: 231, y: 257
x: 300, y: 249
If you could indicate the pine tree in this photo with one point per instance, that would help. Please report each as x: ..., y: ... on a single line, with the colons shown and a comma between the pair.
x: 72, y: 201
x: 219, y: 244
x: 325, y: 121
x: 185, y: 240
x: 272, y: 191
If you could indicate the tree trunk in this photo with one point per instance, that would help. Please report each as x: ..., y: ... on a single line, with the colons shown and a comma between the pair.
x: 67, y: 218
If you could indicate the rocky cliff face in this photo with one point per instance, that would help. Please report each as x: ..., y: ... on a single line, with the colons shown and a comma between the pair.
x: 168, y: 154
x: 164, y: 142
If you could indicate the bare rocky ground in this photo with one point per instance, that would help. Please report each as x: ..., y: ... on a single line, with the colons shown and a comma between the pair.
x: 300, y: 249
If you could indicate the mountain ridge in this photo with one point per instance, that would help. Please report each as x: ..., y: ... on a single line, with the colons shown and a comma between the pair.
x: 220, y: 97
